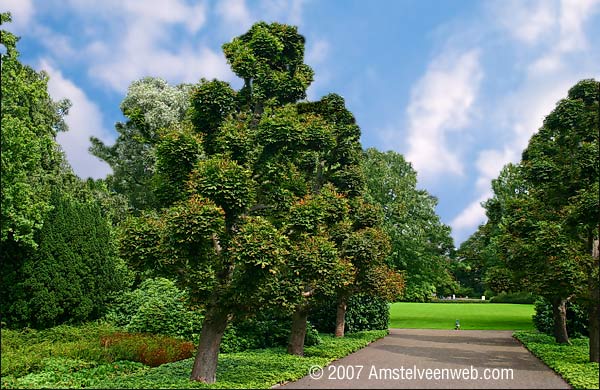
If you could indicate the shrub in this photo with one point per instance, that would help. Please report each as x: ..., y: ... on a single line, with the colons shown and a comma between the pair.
x: 156, y: 306
x: 72, y: 274
x: 518, y: 297
x: 266, y: 329
x: 151, y: 350
x: 26, y: 351
x: 364, y: 312
x: 576, y: 318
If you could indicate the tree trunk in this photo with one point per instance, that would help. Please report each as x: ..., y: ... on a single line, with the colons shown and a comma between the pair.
x: 594, y: 307
x: 205, y: 365
x: 559, y: 311
x: 340, y: 318
x: 296, y: 342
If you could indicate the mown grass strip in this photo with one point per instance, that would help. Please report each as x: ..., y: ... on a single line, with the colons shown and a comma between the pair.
x: 488, y: 316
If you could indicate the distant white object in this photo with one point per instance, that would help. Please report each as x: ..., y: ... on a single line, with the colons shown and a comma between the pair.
x: 453, y: 297
x: 483, y: 297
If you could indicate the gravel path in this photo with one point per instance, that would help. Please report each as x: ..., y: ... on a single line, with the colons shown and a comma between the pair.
x: 406, y: 358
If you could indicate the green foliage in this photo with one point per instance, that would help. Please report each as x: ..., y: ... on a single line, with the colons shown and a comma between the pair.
x: 31, y: 158
x: 177, y: 152
x: 364, y: 312
x: 577, y: 318
x: 74, y: 272
x: 570, y: 361
x: 62, y: 359
x: 478, y: 261
x: 151, y: 104
x: 518, y: 297
x: 269, y: 58
x: 225, y: 182
x: 420, y: 244
x: 212, y: 101
x: 156, y: 306
x: 544, y: 214
x: 499, y: 280
x: 269, y: 328
x: 26, y: 351
x: 367, y: 313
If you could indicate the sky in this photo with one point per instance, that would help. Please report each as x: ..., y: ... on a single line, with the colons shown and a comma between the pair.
x: 457, y: 87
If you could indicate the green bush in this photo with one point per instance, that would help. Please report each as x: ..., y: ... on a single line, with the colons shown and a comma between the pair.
x: 156, y: 306
x: 72, y: 274
x: 26, y: 351
x: 543, y: 319
x: 364, y: 312
x: 266, y: 329
x: 518, y: 297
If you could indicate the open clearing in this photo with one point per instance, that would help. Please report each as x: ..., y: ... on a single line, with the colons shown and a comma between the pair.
x: 473, y: 316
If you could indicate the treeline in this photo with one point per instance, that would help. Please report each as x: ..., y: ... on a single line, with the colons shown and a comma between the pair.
x: 543, y: 220
x: 252, y: 201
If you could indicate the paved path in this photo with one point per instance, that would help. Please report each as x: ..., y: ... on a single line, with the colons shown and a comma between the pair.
x: 396, y: 360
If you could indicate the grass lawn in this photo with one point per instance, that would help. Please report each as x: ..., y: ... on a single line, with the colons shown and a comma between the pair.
x: 493, y: 316
x: 569, y: 361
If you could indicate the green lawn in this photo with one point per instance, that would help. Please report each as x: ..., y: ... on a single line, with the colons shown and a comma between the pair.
x: 497, y: 316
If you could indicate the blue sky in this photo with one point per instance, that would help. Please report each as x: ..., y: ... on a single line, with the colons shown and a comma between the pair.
x: 457, y: 87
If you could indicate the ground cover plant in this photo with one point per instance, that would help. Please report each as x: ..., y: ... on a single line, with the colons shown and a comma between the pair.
x: 500, y: 316
x: 72, y: 357
x: 570, y: 361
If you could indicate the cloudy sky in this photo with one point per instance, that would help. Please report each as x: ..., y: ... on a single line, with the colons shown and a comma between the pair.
x: 458, y: 87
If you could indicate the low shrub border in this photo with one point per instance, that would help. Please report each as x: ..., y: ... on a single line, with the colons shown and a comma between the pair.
x: 569, y: 361
x: 249, y: 369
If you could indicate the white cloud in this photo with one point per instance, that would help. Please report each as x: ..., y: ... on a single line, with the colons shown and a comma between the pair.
x: 573, y: 14
x: 148, y: 48
x: 171, y: 12
x: 546, y: 79
x: 21, y: 11
x: 470, y: 217
x: 84, y: 120
x: 527, y: 22
x: 441, y: 101
x: 235, y: 14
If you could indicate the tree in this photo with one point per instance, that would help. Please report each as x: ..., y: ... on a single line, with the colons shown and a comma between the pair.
x: 421, y: 244
x: 562, y: 163
x: 547, y: 208
x: 229, y: 178
x: 58, y: 255
x: 151, y: 105
x: 365, y: 246
x: 30, y: 156
x: 473, y: 258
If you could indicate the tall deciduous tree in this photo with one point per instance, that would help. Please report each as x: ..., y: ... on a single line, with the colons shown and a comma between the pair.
x: 229, y: 180
x: 421, y: 244
x: 151, y: 104
x: 58, y: 254
x: 562, y: 163
x: 547, y: 208
x: 30, y: 156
